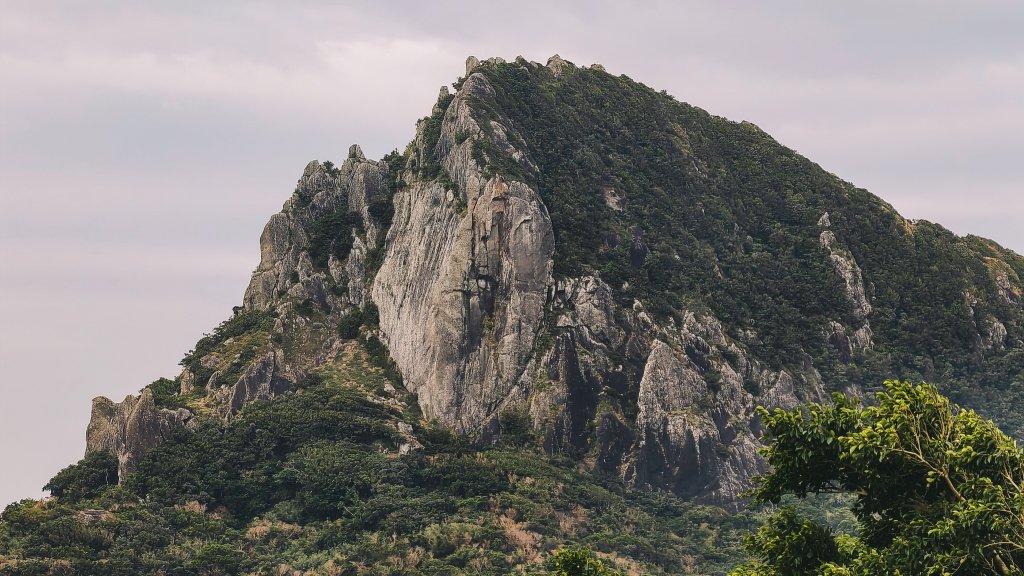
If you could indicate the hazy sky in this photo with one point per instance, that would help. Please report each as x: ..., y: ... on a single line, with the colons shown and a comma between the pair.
x: 143, y: 145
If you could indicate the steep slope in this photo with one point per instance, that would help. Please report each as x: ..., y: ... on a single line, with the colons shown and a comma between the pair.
x: 699, y: 269
x: 590, y: 284
x: 633, y: 273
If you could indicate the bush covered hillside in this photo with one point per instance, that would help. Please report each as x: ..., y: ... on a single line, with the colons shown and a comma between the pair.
x: 320, y: 481
x: 548, y: 337
x: 681, y: 209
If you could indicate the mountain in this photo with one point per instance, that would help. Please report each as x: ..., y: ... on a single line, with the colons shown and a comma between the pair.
x: 549, y: 320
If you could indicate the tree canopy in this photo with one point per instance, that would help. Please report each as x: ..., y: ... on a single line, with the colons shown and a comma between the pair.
x: 578, y: 561
x: 938, y: 489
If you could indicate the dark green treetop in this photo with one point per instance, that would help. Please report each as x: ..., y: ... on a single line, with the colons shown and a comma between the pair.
x: 938, y: 489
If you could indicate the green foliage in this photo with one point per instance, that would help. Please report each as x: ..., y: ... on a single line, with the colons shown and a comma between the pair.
x: 516, y: 428
x: 429, y: 167
x: 313, y: 480
x: 673, y: 207
x: 669, y: 204
x: 577, y: 561
x: 331, y: 168
x: 792, y: 546
x: 382, y: 212
x: 165, y: 394
x: 243, y: 466
x: 678, y: 208
x: 243, y: 322
x: 216, y: 559
x: 938, y: 489
x: 348, y: 326
x: 86, y: 479
x: 333, y: 235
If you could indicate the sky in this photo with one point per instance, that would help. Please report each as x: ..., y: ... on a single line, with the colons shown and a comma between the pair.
x: 144, y: 145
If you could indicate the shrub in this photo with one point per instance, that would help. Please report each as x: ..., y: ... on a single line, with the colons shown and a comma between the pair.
x: 90, y: 476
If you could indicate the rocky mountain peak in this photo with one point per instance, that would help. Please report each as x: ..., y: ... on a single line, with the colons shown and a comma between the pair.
x: 626, y: 274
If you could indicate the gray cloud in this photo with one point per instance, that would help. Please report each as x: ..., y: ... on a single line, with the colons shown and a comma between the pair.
x: 143, y: 145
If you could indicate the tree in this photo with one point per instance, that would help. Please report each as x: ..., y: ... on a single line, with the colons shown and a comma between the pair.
x: 938, y: 489
x: 85, y: 479
x: 578, y: 561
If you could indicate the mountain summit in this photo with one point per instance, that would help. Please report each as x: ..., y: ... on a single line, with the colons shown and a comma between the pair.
x: 570, y: 278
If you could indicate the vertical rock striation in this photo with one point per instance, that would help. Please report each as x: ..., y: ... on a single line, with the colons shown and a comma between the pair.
x: 462, y: 287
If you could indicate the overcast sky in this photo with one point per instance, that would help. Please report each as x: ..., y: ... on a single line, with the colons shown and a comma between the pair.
x: 143, y: 145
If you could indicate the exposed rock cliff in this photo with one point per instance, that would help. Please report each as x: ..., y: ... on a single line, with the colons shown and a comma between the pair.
x: 130, y: 428
x: 630, y: 274
x: 312, y: 273
x: 473, y: 317
x: 287, y: 269
x: 461, y: 290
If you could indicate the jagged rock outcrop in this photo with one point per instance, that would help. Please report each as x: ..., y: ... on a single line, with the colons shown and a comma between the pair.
x: 459, y: 284
x: 847, y: 269
x: 697, y: 425
x: 462, y: 287
x: 312, y: 272
x: 130, y: 428
x: 696, y: 429
x: 465, y: 290
x: 847, y: 342
x: 266, y: 377
x: 286, y: 267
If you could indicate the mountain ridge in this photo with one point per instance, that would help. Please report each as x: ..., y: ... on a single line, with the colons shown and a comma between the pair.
x: 470, y: 274
x: 572, y: 265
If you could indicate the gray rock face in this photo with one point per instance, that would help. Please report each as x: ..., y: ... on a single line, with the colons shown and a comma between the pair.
x: 266, y: 377
x: 557, y: 65
x: 1010, y: 293
x: 697, y: 421
x: 285, y: 278
x: 846, y: 342
x: 130, y: 428
x: 846, y: 267
x: 462, y: 287
x: 681, y: 445
x: 465, y: 290
x: 285, y: 266
x: 695, y: 391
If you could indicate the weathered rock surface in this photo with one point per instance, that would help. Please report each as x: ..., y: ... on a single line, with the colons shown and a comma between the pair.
x: 462, y: 287
x: 846, y: 267
x: 465, y: 290
x: 266, y: 377
x: 695, y: 430
x: 130, y: 428
x: 285, y: 266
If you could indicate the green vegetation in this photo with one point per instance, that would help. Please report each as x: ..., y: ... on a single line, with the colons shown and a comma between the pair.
x: 681, y: 209
x: 333, y: 235
x: 674, y: 206
x: 86, y: 479
x: 313, y: 480
x: 938, y: 489
x: 166, y: 394
x: 671, y: 206
x: 578, y: 561
x: 253, y: 323
x: 428, y: 165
